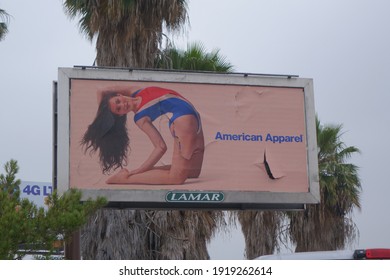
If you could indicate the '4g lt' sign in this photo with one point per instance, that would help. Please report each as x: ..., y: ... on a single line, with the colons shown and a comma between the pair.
x: 194, y: 197
x: 36, y: 192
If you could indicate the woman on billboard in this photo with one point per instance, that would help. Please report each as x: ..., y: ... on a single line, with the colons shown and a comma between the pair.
x: 108, y: 135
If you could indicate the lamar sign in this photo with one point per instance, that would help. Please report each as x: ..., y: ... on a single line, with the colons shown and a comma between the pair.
x: 145, y: 138
x: 194, y: 197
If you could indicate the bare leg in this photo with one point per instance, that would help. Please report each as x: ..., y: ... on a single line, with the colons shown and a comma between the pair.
x: 175, y: 175
x: 187, y: 158
x: 196, y: 164
x: 163, y: 167
x: 191, y: 142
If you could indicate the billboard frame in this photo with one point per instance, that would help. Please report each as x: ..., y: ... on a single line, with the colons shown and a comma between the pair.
x: 156, y: 199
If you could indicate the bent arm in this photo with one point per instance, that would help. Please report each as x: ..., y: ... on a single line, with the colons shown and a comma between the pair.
x: 158, y: 143
x: 123, y: 90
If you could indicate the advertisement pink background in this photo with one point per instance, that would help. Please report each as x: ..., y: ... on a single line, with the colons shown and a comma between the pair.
x: 229, y: 165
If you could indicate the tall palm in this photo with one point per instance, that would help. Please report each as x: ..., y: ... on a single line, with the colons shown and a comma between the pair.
x: 260, y: 228
x: 184, y: 234
x: 168, y: 234
x: 128, y: 32
x: 4, y: 18
x: 128, y: 35
x: 328, y: 226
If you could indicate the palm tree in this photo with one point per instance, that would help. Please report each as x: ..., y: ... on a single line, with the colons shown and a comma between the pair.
x: 184, y: 234
x: 328, y: 226
x: 4, y: 18
x: 128, y: 32
x: 128, y: 35
x: 195, y: 57
x: 178, y: 235
x: 260, y: 229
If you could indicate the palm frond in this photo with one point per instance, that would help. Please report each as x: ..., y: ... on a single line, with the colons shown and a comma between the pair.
x: 327, y: 226
x: 195, y: 57
x: 4, y: 17
x: 261, y: 230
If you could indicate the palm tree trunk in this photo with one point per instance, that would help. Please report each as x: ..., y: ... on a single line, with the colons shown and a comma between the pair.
x: 113, y: 234
x: 260, y: 229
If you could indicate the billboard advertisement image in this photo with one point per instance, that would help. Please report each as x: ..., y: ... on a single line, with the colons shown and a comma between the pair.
x: 174, y: 138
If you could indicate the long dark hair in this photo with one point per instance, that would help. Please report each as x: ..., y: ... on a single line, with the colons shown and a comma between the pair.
x: 108, y: 135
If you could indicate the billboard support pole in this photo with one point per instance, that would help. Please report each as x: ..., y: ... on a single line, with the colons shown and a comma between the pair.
x: 72, y: 247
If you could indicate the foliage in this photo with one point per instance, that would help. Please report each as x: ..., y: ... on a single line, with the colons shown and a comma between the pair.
x: 24, y: 225
x: 328, y: 226
x: 195, y: 57
x: 128, y: 32
x: 4, y: 20
x: 180, y: 235
x: 324, y: 226
x: 260, y: 229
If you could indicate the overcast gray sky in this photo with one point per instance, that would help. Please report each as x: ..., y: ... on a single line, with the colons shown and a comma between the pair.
x: 344, y: 46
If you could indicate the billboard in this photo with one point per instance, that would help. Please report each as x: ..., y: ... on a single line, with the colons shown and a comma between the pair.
x: 164, y: 139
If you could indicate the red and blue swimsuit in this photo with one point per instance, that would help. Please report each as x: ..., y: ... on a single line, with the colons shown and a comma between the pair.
x: 158, y: 101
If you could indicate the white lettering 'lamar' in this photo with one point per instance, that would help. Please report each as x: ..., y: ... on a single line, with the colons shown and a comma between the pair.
x: 196, y: 197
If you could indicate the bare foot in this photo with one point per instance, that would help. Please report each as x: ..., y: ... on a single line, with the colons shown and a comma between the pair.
x: 119, y: 177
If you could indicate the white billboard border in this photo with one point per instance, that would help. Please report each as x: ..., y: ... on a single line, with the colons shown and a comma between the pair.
x: 156, y: 198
